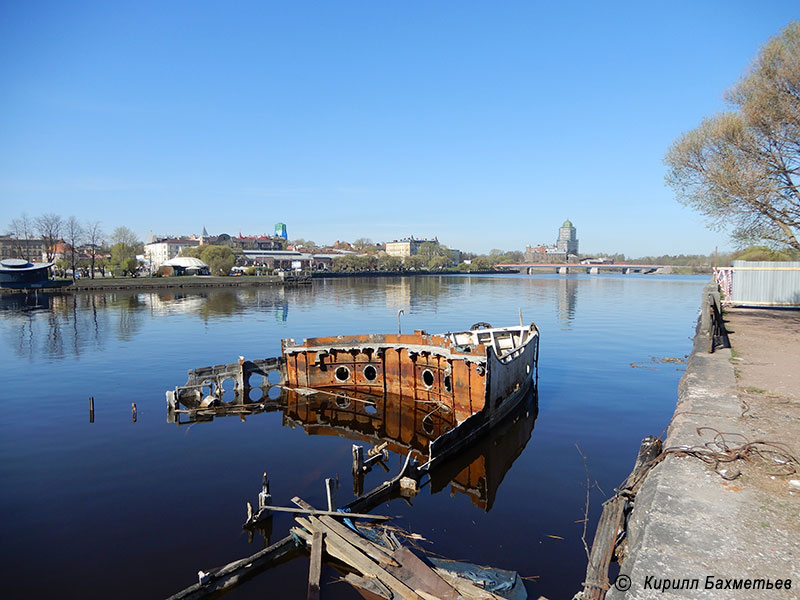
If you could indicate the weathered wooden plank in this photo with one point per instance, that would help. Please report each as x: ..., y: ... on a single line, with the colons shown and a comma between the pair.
x: 375, y: 552
x: 419, y: 576
x: 339, y: 548
x: 329, y: 524
x: 371, y: 585
x: 330, y: 490
x: 466, y: 588
x: 332, y: 513
x: 315, y: 566
x: 238, y: 571
x: 596, y: 584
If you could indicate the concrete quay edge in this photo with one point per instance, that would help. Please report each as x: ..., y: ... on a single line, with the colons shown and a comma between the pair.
x: 687, y: 522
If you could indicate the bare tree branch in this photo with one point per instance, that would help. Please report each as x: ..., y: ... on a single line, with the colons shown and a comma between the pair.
x: 740, y: 169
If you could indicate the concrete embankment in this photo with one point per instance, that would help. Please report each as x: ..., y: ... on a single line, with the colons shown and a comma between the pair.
x: 718, y: 529
x: 163, y: 283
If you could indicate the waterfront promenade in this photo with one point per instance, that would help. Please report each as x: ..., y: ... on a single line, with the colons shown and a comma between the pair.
x: 733, y: 526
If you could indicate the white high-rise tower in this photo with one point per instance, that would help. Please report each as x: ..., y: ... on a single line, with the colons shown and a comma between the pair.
x: 567, y: 242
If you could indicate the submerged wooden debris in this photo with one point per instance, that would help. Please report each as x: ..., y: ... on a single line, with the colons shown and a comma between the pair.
x: 377, y: 563
x: 476, y: 472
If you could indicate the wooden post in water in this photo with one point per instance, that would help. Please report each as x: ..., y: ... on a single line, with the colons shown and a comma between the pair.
x: 330, y: 489
x: 91, y: 409
x: 315, y: 567
x: 264, y: 497
x: 358, y: 470
x: 358, y: 459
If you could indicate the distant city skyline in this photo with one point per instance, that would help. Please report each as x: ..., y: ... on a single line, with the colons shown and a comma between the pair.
x: 484, y: 125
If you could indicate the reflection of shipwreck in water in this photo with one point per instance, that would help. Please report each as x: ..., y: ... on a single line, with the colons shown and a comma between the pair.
x: 399, y: 426
x: 452, y: 387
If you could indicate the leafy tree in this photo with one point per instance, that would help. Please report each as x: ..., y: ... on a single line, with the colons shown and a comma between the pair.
x: 364, y: 244
x: 481, y: 263
x: 220, y: 259
x: 389, y: 263
x: 354, y: 262
x: 124, y: 250
x: 193, y: 252
x: 100, y: 263
x: 767, y: 254
x: 414, y: 262
x: 742, y: 168
x: 430, y: 250
x: 123, y: 259
x: 124, y: 235
x: 439, y: 262
x: 62, y: 266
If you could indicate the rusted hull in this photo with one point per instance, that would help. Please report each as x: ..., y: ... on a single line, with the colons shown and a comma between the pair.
x: 430, y: 369
x: 448, y: 388
x: 428, y: 377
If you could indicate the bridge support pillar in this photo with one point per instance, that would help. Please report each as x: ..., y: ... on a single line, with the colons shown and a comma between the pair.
x: 625, y: 271
x: 563, y: 270
x: 593, y: 271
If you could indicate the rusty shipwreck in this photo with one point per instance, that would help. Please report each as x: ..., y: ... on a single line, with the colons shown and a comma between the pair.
x: 460, y: 384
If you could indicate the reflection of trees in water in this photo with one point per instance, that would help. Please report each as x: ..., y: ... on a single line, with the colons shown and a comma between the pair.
x: 220, y: 303
x: 129, y: 320
x: 225, y: 302
x: 408, y: 292
x: 54, y: 326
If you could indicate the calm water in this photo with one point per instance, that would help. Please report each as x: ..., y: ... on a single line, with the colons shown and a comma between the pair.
x: 133, y: 510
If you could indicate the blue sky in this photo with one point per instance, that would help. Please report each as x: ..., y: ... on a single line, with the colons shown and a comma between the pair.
x: 483, y: 123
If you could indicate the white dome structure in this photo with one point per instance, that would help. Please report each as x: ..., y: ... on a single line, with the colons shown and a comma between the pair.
x: 186, y: 265
x: 186, y: 262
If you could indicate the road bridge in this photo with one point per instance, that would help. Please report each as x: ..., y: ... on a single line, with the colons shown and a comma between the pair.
x: 593, y: 269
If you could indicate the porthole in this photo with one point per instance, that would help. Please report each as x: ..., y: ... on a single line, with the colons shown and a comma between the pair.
x: 448, y: 384
x: 342, y: 373
x: 427, y: 424
x: 370, y: 373
x: 342, y: 401
x: 427, y: 378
